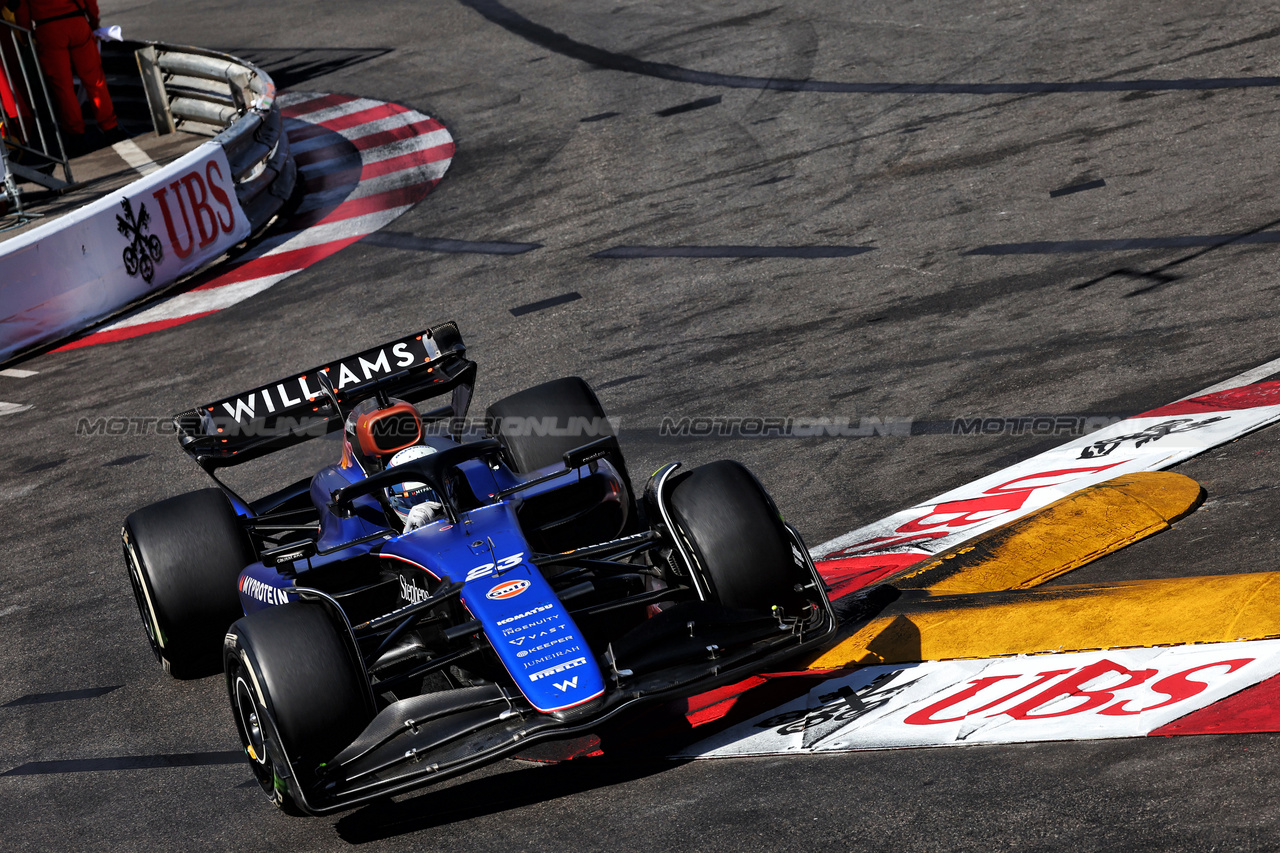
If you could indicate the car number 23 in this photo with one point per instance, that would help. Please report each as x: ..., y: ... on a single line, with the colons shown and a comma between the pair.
x: 501, y: 566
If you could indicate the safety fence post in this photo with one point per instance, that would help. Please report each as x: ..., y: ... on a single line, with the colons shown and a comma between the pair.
x: 28, y: 123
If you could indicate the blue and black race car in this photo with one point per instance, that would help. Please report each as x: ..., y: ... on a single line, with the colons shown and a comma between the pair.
x: 437, y: 599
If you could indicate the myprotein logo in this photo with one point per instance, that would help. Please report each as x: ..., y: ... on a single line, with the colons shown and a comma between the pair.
x: 264, y: 592
x: 197, y: 208
x: 510, y: 589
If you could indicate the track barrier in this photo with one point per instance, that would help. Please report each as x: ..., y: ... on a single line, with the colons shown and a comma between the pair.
x: 66, y: 275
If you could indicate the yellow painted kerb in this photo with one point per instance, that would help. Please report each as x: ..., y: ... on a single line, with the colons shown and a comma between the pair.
x: 1063, y: 536
x: 975, y: 601
x: 1128, y: 614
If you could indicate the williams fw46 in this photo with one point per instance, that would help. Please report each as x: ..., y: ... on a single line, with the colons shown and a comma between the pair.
x: 425, y: 604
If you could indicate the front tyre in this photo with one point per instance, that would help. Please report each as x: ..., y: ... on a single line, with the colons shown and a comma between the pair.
x: 184, y: 556
x: 729, y: 525
x: 298, y: 696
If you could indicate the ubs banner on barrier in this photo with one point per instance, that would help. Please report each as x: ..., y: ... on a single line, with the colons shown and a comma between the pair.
x: 83, y: 267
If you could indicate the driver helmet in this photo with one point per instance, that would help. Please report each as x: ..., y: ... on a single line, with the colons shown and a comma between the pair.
x: 405, y: 496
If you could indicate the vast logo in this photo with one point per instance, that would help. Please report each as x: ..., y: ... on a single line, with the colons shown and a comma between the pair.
x: 533, y: 650
x: 144, y: 250
x: 509, y: 589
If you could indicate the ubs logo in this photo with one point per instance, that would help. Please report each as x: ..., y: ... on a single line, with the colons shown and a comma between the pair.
x: 204, y: 205
x: 144, y: 250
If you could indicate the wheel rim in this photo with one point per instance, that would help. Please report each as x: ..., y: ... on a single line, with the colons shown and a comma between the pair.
x: 142, y: 597
x: 249, y: 722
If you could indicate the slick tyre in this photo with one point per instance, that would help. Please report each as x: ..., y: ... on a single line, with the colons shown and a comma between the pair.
x: 568, y: 405
x: 728, y: 522
x: 298, y: 697
x: 184, y: 556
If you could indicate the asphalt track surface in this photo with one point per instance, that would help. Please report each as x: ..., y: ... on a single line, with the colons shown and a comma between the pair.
x: 1064, y: 210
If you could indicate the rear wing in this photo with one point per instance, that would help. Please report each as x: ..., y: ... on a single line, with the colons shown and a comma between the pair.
x: 315, y: 402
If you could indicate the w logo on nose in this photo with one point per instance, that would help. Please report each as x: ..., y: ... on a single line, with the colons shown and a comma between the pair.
x: 565, y: 685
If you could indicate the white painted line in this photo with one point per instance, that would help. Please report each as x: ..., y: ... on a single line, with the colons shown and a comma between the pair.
x: 1145, y: 442
x: 137, y: 158
x: 1023, y: 699
x: 324, y: 114
x: 397, y: 147
x: 342, y: 229
x: 199, y: 301
x: 1249, y: 377
x: 358, y: 131
x: 415, y: 179
x: 372, y: 186
x: 17, y: 373
x: 12, y: 408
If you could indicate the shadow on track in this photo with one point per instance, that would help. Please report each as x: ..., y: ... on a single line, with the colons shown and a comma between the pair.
x: 489, y: 795
x: 290, y: 67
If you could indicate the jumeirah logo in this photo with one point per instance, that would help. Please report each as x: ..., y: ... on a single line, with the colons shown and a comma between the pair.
x: 144, y: 250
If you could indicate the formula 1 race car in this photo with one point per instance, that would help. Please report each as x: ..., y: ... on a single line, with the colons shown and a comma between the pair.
x: 428, y: 604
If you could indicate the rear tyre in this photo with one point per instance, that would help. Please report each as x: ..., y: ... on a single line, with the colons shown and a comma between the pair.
x: 573, y: 410
x: 298, y: 697
x: 184, y: 556
x: 731, y: 526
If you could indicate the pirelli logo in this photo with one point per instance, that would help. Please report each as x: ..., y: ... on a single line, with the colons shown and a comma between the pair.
x: 558, y: 668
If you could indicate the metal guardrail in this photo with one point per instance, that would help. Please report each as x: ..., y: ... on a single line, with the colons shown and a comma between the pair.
x: 215, y: 94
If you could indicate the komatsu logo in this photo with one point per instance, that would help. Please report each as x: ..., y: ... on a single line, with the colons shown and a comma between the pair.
x: 558, y: 668
x: 264, y: 592
x: 524, y: 615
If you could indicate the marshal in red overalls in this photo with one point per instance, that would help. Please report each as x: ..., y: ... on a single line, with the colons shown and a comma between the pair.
x: 64, y: 42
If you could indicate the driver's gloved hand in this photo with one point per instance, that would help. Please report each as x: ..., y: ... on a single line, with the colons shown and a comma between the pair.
x: 423, y: 514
